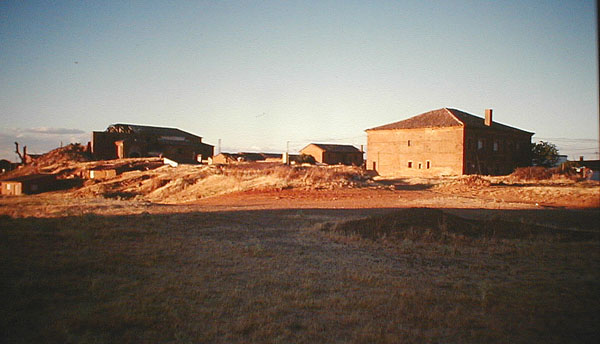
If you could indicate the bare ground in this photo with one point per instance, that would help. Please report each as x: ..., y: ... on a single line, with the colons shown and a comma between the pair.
x: 277, y: 266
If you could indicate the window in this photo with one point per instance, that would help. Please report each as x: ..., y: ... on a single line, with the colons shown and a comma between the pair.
x: 7, y: 186
x: 408, y: 142
x: 480, y: 144
x: 495, y: 146
x: 410, y: 164
x: 427, y: 164
x: 420, y: 166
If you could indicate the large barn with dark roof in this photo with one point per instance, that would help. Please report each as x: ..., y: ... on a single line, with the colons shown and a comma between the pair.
x: 134, y: 141
x: 447, y: 142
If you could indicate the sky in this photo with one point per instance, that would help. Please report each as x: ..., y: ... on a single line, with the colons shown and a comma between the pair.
x: 262, y: 75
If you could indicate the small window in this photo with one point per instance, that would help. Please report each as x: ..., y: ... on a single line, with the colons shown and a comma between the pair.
x: 408, y: 142
x: 480, y: 144
x: 495, y: 146
x: 420, y: 166
x: 410, y: 164
x: 7, y: 186
x: 427, y: 164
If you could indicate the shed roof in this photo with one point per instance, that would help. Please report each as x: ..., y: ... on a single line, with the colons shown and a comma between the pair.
x: 446, y: 117
x: 336, y: 148
x: 31, y: 177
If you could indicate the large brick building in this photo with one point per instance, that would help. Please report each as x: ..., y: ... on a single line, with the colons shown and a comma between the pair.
x: 134, y: 141
x: 447, y: 142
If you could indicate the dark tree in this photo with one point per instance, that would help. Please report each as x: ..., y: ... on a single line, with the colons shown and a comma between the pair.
x: 544, y: 154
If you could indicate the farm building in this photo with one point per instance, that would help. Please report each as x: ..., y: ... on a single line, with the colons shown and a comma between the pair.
x: 30, y: 184
x: 228, y: 158
x: 333, y: 154
x: 447, y: 142
x: 133, y: 141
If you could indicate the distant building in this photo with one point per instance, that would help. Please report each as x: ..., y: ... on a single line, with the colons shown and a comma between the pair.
x: 228, y: 158
x: 30, y: 184
x: 134, y: 141
x: 447, y: 142
x: 333, y: 154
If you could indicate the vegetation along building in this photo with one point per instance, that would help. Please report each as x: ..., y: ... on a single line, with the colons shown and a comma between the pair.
x: 134, y: 141
x: 333, y: 154
x: 447, y: 142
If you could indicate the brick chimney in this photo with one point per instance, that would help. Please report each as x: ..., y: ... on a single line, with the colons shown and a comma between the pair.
x: 488, y: 117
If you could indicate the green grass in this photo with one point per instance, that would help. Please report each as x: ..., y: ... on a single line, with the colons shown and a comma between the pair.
x: 272, y: 276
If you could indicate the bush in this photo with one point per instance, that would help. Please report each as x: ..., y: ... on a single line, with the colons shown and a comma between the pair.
x: 533, y: 173
x: 306, y: 159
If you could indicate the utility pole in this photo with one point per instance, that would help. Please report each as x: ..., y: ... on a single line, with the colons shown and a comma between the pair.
x: 219, y: 147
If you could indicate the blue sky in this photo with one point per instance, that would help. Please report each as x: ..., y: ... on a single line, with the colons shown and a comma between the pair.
x: 257, y: 74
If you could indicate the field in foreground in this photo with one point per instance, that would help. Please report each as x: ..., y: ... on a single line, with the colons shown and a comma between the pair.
x: 301, y: 256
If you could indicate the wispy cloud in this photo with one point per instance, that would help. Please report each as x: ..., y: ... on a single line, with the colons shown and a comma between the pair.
x: 51, y: 131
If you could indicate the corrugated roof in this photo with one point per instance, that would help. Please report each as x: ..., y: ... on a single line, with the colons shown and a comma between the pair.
x: 445, y: 117
x: 137, y: 129
x: 336, y: 148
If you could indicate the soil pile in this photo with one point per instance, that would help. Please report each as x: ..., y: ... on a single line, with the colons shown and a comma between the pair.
x: 188, y: 183
x: 434, y: 225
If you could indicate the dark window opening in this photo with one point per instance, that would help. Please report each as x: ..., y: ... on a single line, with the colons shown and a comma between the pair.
x: 410, y: 164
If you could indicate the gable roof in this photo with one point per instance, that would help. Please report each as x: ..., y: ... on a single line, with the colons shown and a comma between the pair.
x: 146, y: 129
x: 335, y: 148
x: 446, y: 117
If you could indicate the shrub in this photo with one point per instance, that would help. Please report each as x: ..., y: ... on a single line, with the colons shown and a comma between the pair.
x: 533, y: 173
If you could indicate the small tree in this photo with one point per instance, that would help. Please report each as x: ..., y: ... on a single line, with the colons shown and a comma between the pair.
x: 305, y: 158
x: 544, y: 154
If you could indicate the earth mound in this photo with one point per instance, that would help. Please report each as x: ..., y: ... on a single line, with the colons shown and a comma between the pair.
x: 434, y: 225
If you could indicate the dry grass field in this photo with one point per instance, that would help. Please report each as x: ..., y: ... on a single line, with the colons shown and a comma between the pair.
x: 307, y: 257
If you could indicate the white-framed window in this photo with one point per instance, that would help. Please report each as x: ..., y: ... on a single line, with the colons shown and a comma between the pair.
x: 409, y: 164
x: 420, y: 165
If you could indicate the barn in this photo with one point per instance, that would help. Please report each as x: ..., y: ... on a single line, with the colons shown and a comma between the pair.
x: 133, y: 141
x: 333, y: 154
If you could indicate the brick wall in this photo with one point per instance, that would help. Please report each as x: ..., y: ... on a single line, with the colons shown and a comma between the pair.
x: 423, y: 151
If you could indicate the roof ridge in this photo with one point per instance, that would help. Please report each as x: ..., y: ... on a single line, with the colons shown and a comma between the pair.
x: 449, y: 110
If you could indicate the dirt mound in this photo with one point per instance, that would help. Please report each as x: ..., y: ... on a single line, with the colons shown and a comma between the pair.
x: 188, y: 183
x: 68, y: 154
x: 434, y: 225
x: 465, y: 183
x: 58, y: 161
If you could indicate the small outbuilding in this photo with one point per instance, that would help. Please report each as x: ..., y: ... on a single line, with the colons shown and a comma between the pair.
x: 30, y: 184
x: 333, y: 154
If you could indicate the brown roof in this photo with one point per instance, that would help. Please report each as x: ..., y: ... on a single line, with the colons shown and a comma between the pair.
x: 445, y: 117
x: 31, y: 177
x: 336, y: 148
